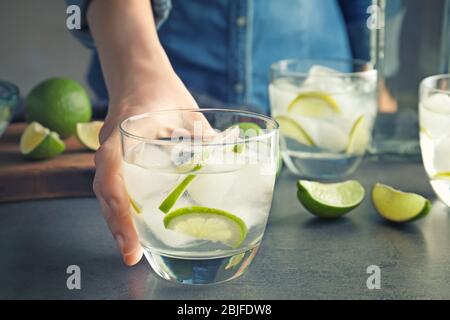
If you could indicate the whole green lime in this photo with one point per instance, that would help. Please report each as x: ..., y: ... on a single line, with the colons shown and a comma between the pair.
x: 58, y: 104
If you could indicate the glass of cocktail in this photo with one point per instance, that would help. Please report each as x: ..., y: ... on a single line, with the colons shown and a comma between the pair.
x: 200, y: 190
x: 326, y: 110
x: 434, y: 118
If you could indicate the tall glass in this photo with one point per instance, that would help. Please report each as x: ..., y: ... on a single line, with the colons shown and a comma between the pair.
x: 200, y: 189
x: 434, y: 118
x: 326, y: 110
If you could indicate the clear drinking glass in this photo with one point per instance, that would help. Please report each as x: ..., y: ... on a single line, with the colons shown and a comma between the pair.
x: 326, y: 110
x: 434, y: 118
x: 9, y: 98
x: 200, y: 190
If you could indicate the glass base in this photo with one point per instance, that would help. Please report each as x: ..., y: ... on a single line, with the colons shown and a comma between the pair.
x: 317, y: 166
x: 200, y: 271
x: 442, y: 190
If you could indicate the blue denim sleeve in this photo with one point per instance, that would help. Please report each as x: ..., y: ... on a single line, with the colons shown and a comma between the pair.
x: 355, y: 15
x: 161, y: 10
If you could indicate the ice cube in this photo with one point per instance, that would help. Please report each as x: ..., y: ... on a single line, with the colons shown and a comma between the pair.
x: 210, y: 189
x: 281, y: 94
x: 141, y: 183
x: 433, y: 121
x: 325, y: 134
x: 438, y: 102
x: 442, y: 155
x: 321, y: 78
x: 251, y: 194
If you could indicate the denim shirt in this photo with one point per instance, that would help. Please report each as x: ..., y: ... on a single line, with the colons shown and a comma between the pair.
x: 224, y: 48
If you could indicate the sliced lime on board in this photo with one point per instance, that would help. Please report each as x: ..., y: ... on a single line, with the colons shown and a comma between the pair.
x: 330, y: 200
x: 38, y: 142
x: 88, y: 134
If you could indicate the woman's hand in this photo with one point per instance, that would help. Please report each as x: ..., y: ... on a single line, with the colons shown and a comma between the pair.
x: 163, y: 91
x: 139, y: 78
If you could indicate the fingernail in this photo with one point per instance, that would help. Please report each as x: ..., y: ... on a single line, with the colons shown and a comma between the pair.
x: 120, y: 241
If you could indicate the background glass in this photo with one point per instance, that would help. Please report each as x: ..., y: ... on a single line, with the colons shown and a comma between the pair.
x: 434, y: 113
x: 9, y: 98
x: 326, y: 110
x: 231, y: 171
x: 411, y: 42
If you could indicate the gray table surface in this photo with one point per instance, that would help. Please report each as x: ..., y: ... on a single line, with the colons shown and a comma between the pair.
x: 301, y: 257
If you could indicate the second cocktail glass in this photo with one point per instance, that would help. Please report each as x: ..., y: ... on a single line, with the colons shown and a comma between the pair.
x: 326, y: 110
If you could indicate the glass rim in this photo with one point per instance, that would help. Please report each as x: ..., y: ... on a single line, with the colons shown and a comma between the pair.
x: 426, y: 82
x: 277, y: 65
x: 265, y: 118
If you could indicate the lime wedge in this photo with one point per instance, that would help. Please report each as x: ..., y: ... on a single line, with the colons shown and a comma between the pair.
x: 88, y: 132
x: 441, y: 176
x: 314, y: 104
x: 206, y: 223
x: 330, y: 200
x: 292, y: 129
x: 398, y: 206
x: 176, y: 193
x: 38, y: 142
x: 358, y: 138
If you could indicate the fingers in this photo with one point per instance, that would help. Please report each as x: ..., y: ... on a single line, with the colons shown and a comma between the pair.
x: 110, y: 190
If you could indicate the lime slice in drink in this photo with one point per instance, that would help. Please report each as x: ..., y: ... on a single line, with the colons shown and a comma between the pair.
x: 398, y: 206
x: 190, y: 166
x: 176, y: 193
x: 330, y: 200
x: 441, y: 176
x: 206, y: 223
x: 249, y: 129
x: 426, y: 132
x: 88, y: 132
x: 358, y: 138
x: 38, y: 142
x: 292, y: 129
x: 314, y: 104
x: 136, y: 207
x: 235, y: 260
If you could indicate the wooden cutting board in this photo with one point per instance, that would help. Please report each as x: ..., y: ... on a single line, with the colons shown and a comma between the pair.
x: 67, y: 175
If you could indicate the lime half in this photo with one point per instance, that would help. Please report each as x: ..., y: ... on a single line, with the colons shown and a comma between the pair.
x: 176, y: 193
x: 314, y: 104
x: 358, y: 138
x: 38, y: 142
x: 330, y: 200
x: 292, y: 129
x: 398, y: 206
x: 88, y: 133
x: 206, y: 223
